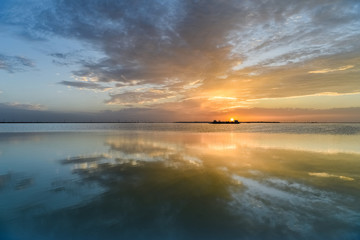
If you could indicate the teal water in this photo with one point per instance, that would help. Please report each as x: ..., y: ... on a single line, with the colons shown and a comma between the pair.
x: 179, y: 181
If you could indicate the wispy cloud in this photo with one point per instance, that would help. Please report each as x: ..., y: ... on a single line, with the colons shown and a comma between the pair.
x: 328, y: 175
x: 24, y: 106
x: 328, y: 70
x: 67, y: 58
x: 222, y: 98
x: 141, y: 98
x: 13, y: 64
x: 84, y: 85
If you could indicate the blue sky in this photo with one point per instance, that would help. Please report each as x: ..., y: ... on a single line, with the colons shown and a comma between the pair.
x: 179, y: 60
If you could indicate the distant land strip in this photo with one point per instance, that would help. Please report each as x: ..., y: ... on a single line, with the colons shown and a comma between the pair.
x: 39, y: 122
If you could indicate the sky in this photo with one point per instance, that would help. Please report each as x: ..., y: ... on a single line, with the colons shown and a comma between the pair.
x: 180, y: 60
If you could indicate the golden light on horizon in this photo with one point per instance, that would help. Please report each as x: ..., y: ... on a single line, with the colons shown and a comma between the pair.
x: 231, y: 119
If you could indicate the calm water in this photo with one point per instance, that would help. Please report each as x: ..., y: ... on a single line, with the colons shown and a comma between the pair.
x: 179, y: 181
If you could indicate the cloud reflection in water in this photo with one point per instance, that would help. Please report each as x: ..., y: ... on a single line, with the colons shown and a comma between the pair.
x: 183, y: 185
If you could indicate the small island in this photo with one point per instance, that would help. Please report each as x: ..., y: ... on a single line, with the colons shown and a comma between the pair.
x: 225, y: 122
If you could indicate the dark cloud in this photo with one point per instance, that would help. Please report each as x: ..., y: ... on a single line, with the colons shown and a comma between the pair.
x: 83, y: 159
x: 13, y: 64
x: 68, y: 58
x: 86, y: 85
x: 60, y: 55
x: 17, y: 112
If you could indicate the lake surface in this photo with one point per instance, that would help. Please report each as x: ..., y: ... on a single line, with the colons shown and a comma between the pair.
x: 179, y: 181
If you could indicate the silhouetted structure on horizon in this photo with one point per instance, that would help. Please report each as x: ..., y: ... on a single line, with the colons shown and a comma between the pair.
x: 225, y: 122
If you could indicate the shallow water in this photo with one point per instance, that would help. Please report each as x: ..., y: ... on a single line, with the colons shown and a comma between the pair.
x: 179, y: 181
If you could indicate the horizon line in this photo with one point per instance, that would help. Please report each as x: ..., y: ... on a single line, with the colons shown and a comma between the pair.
x: 40, y: 122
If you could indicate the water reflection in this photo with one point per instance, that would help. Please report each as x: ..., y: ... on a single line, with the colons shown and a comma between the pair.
x: 179, y: 185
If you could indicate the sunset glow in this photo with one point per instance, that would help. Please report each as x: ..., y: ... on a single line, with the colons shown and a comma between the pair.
x: 169, y: 61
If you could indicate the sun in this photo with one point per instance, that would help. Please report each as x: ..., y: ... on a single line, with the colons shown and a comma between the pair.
x: 231, y: 119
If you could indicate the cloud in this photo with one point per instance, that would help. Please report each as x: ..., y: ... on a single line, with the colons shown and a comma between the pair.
x: 327, y: 175
x: 141, y: 98
x: 235, y: 49
x: 11, y: 112
x: 84, y: 85
x: 13, y: 64
x: 222, y: 98
x: 189, y: 110
x: 67, y: 59
x: 315, y: 101
x: 19, y: 112
x: 327, y: 70
x: 23, y: 106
